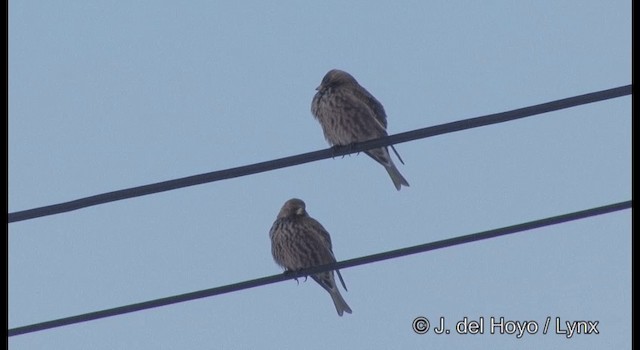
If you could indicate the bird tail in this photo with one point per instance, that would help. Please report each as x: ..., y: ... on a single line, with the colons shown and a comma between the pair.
x: 339, y: 302
x: 381, y: 155
x: 396, y: 177
x: 327, y: 281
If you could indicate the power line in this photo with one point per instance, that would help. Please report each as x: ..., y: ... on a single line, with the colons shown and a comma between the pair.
x: 318, y: 155
x: 339, y: 265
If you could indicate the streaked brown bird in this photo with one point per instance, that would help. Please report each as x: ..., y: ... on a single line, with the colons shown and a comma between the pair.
x: 348, y: 113
x: 298, y: 241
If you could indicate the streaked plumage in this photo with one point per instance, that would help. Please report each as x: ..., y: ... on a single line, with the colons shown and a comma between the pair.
x: 348, y: 113
x: 298, y: 241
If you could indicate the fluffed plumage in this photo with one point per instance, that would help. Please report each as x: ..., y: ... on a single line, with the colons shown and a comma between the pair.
x: 298, y: 241
x: 348, y: 114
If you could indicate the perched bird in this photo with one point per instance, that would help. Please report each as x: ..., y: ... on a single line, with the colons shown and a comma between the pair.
x: 348, y: 113
x: 298, y: 241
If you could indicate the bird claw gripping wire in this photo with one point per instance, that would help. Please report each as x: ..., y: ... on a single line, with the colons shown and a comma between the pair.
x: 336, y: 149
x: 289, y: 272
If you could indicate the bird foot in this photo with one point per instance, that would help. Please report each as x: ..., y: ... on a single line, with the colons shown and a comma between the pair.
x: 337, y: 149
x: 289, y: 272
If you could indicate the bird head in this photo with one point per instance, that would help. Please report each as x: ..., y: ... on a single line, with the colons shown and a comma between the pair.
x: 336, y: 77
x: 292, y: 208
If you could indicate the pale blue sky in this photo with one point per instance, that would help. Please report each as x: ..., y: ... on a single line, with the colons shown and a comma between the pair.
x: 106, y: 95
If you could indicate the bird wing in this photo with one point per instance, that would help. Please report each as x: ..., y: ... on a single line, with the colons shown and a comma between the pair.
x: 378, y: 113
x: 322, y: 233
x: 376, y: 107
x: 367, y: 111
x: 326, y: 238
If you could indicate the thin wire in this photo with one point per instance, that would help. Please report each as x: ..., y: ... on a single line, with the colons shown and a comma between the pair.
x: 318, y: 155
x: 339, y: 265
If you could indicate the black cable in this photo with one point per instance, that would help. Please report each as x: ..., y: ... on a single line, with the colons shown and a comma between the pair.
x: 318, y: 155
x: 339, y: 265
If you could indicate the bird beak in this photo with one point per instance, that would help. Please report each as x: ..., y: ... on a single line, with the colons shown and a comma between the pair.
x: 300, y: 211
x: 318, y: 88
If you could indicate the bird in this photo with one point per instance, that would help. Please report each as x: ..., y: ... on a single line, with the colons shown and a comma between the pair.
x: 348, y: 114
x: 298, y: 241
